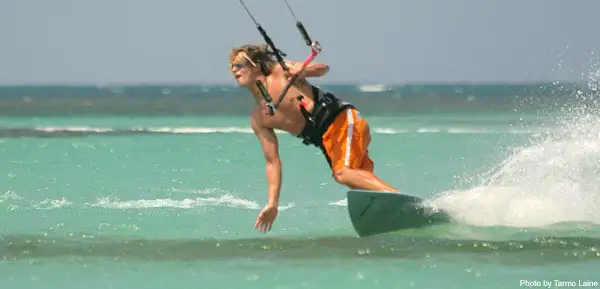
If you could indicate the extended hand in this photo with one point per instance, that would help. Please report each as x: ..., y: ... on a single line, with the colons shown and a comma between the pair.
x: 265, y: 219
x: 293, y: 69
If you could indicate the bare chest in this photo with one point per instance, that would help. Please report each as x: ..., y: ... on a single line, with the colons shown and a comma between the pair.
x: 288, y: 116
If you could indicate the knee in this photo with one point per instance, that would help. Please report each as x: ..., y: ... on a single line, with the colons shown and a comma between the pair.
x: 341, y: 175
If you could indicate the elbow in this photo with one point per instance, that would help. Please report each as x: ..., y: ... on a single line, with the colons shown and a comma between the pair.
x: 324, y: 69
x: 273, y: 167
x: 273, y: 162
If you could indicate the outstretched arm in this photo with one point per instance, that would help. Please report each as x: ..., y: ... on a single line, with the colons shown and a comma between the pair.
x: 270, y: 146
x: 313, y: 69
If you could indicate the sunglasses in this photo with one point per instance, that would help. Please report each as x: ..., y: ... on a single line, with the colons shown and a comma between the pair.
x: 239, y: 65
x: 243, y: 63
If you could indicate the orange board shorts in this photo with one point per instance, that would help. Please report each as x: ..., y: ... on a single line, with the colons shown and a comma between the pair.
x: 346, y: 142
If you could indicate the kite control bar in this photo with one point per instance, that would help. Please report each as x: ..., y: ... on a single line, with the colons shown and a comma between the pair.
x: 315, y: 50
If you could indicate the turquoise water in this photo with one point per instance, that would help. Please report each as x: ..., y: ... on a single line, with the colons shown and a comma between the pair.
x: 176, y: 209
x: 117, y: 201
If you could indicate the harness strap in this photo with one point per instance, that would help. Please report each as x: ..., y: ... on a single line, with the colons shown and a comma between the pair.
x: 326, y: 108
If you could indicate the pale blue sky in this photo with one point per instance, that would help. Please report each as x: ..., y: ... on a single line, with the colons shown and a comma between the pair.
x: 388, y: 41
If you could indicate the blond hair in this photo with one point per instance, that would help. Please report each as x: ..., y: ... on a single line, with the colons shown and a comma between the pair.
x: 259, y: 54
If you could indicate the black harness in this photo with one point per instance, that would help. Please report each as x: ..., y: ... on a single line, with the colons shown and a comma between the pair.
x: 327, y: 107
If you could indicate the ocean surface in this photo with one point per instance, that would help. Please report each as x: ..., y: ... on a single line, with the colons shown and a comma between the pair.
x: 159, y: 187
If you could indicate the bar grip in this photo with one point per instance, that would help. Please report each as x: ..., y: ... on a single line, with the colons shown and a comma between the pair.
x: 304, y: 33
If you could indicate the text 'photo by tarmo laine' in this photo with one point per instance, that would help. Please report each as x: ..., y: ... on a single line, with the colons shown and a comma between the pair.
x: 558, y: 283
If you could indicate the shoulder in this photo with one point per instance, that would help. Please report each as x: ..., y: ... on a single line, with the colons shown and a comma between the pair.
x: 257, y: 121
x: 277, y: 69
x: 265, y: 134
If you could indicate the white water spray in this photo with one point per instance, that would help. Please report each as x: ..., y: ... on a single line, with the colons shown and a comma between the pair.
x: 552, y: 180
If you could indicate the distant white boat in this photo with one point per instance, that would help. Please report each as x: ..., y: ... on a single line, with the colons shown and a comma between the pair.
x: 373, y: 88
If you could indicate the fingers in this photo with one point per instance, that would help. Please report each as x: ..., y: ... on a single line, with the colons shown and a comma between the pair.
x: 263, y: 226
x: 260, y: 223
x: 259, y: 220
x: 264, y: 222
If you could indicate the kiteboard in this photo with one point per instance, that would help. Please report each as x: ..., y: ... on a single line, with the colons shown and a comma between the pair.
x: 374, y: 212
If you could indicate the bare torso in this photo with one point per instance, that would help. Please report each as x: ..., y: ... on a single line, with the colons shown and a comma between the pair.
x: 288, y: 116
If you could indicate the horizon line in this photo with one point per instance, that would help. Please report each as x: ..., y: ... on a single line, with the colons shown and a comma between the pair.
x: 332, y: 83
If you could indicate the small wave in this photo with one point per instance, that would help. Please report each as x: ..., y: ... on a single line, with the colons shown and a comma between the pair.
x: 13, y: 201
x: 194, y: 130
x: 340, y: 203
x: 453, y: 130
x: 81, y: 131
x: 541, y: 251
x: 390, y: 131
x: 48, y: 204
x: 69, y: 128
x: 212, y: 197
x: 207, y: 191
x: 226, y: 200
x: 187, y: 203
x: 9, y: 195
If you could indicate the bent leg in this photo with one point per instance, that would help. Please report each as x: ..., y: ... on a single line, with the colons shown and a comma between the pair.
x: 347, y: 145
x: 361, y: 180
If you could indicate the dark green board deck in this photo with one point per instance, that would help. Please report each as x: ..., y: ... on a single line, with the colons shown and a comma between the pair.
x: 373, y: 212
